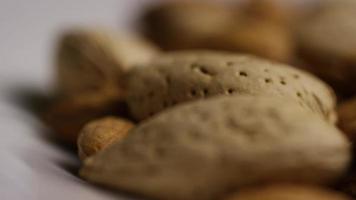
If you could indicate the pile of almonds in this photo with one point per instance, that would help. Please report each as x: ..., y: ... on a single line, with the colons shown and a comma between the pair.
x: 211, y: 107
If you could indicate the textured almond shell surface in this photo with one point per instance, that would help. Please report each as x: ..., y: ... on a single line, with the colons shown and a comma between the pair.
x: 200, y: 150
x: 184, y: 76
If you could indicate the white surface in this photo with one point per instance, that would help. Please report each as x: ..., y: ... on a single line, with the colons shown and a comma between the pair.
x: 31, y: 166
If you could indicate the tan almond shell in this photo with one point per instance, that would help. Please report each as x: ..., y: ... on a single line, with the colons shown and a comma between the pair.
x: 88, y: 60
x: 199, y: 150
x: 177, y: 77
x: 187, y: 24
x: 257, y: 37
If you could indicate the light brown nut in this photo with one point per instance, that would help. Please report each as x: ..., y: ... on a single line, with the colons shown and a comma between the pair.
x: 347, y: 116
x: 202, y: 149
x: 258, y: 37
x: 270, y: 10
x: 187, y: 24
x: 328, y: 5
x: 327, y: 41
x: 67, y: 115
x: 288, y: 192
x: 89, y: 60
x: 189, y: 75
x: 100, y: 133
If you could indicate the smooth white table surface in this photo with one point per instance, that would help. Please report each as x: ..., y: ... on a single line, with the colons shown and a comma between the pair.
x: 32, y: 166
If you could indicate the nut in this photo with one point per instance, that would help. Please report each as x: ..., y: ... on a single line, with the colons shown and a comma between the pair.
x: 201, y: 149
x: 178, y: 77
x: 270, y: 10
x: 258, y: 37
x: 99, y: 134
x: 187, y: 24
x: 89, y: 60
x: 259, y: 27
